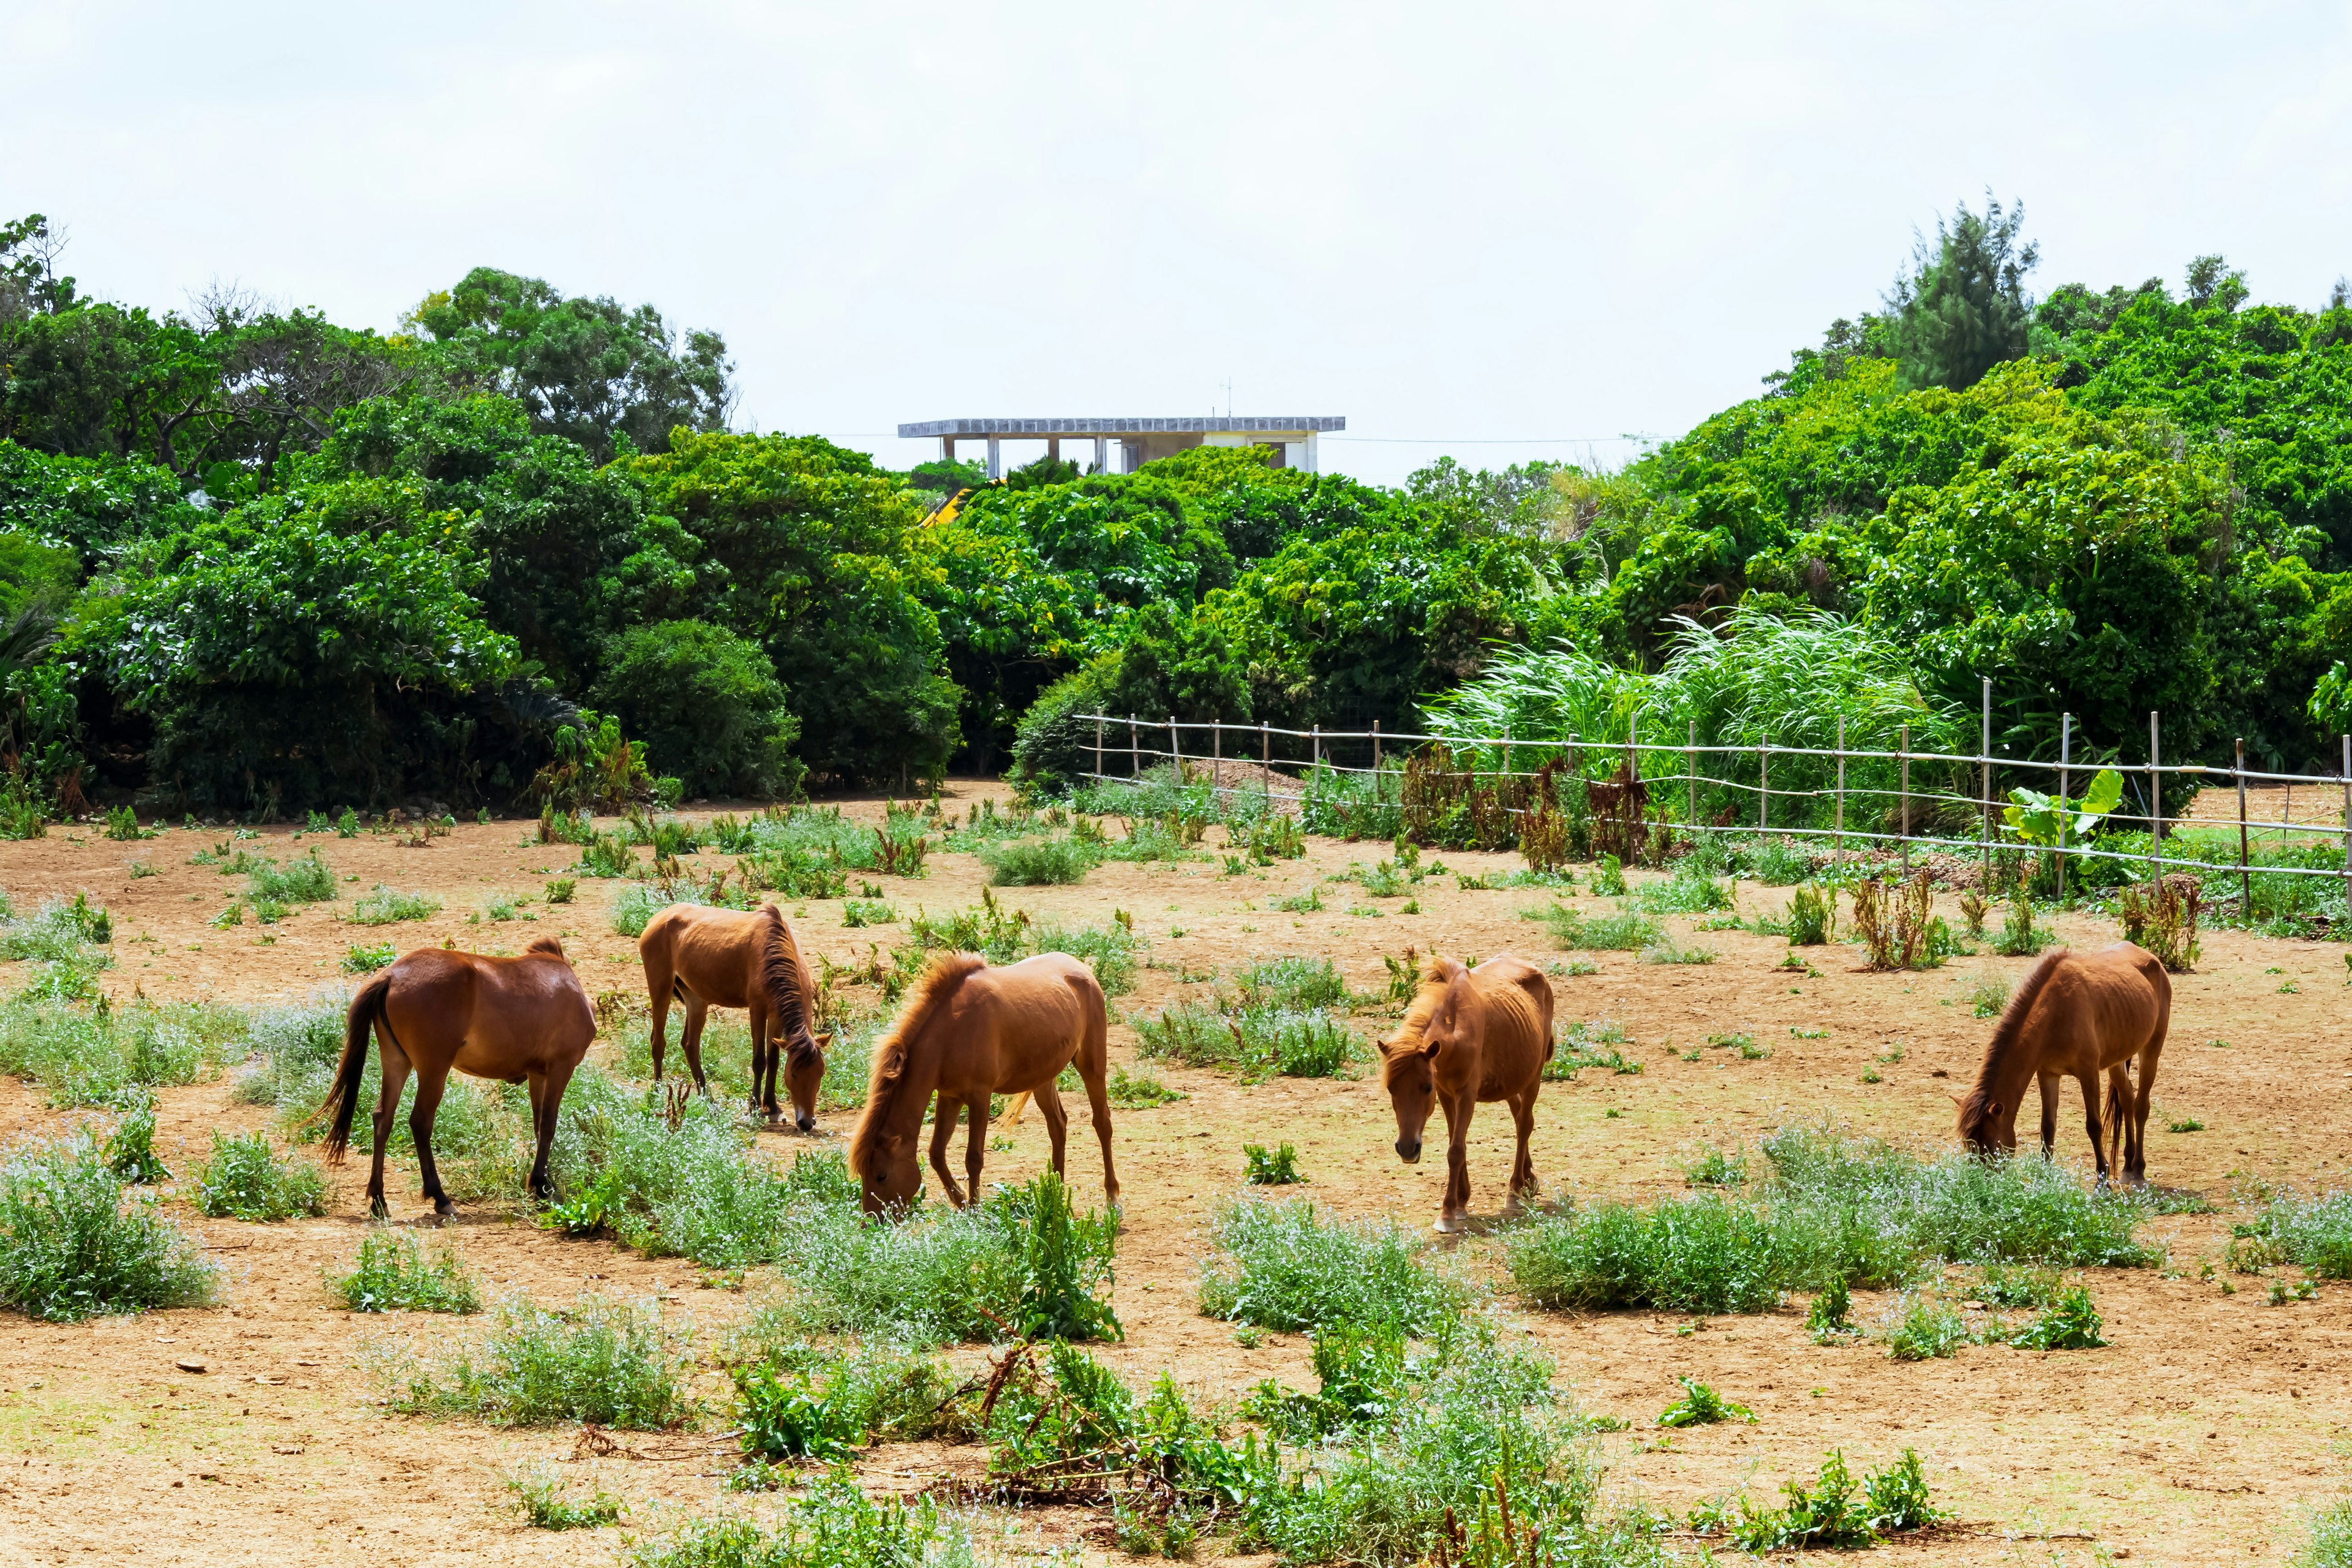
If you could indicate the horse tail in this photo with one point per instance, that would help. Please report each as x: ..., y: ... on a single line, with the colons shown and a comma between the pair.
x: 938, y: 983
x: 342, y: 1103
x: 780, y: 979
x: 2005, y: 1039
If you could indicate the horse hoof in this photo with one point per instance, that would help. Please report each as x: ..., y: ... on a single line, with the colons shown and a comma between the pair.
x: 1448, y: 1226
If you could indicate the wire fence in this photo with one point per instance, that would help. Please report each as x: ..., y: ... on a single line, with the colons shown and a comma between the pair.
x: 1925, y: 800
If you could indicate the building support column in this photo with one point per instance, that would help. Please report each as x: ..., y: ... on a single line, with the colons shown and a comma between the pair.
x: 1102, y: 466
x: 995, y: 459
x: 1053, y: 448
x: 1313, y: 456
x: 946, y: 449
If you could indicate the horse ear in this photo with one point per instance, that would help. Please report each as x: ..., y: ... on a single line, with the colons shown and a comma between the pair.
x: 1992, y: 1108
x: 825, y: 1040
x: 1430, y: 1047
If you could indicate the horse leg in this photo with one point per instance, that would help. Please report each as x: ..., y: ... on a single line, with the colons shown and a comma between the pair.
x: 763, y: 1094
x: 394, y: 1063
x: 1523, y: 1169
x: 943, y: 1120
x: 1454, y: 1215
x: 2092, y: 1125
x: 690, y: 1040
x: 975, y: 1147
x: 546, y: 1107
x: 429, y: 1088
x: 1057, y: 1121
x: 2050, y: 1083
x: 659, y: 981
x: 1092, y: 1062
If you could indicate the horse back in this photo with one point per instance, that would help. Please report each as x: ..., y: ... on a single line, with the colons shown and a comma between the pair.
x: 493, y: 1018
x: 1517, y: 999
x: 715, y: 952
x: 1029, y: 1017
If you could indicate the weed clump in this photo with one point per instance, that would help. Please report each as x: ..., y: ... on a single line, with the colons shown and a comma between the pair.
x: 1262, y: 1167
x: 547, y: 1504
x: 245, y: 1179
x: 1572, y: 928
x: 1280, y: 1266
x: 393, y: 1274
x: 383, y: 906
x: 1039, y: 862
x: 601, y: 1359
x: 72, y: 1247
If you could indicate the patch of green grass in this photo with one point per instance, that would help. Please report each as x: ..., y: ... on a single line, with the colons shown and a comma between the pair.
x: 73, y: 1244
x: 2070, y: 1322
x: 2184, y: 1124
x: 1039, y: 862
x: 1667, y: 950
x: 1609, y: 877
x: 1307, y: 902
x: 362, y: 958
x: 612, y: 1363
x: 2312, y: 1231
x: 1685, y: 893
x: 1298, y: 981
x: 859, y: 912
x: 1988, y: 996
x: 1276, y: 1168
x: 1282, y: 1265
x: 309, y: 880
x: 545, y: 1500
x: 246, y: 1179
x: 1572, y: 928
x: 1264, y: 1041
x: 1718, y: 1167
x: 2005, y: 1285
x: 1833, y: 1511
x: 2327, y: 1536
x: 383, y: 906
x: 1138, y: 1090
x: 393, y: 1274
x: 1919, y: 1327
x: 131, y: 1147
x: 1591, y: 1043
x: 1701, y: 1405
x: 85, y: 1053
x: 832, y: 1524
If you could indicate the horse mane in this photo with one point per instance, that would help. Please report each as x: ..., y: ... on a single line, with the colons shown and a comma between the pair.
x: 1437, y: 977
x: 779, y: 978
x: 2005, y: 1037
x: 938, y: 983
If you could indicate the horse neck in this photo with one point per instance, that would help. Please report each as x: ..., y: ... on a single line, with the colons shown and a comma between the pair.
x: 910, y: 1093
x: 2009, y: 1064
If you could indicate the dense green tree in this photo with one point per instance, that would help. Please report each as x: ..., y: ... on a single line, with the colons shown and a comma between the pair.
x: 591, y: 370
x: 1962, y: 308
x: 707, y: 705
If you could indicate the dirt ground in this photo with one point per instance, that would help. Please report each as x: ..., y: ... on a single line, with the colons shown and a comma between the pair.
x: 2192, y: 1439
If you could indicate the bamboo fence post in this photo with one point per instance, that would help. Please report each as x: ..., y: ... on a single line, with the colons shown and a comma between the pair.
x: 2065, y: 793
x: 1690, y: 773
x: 2245, y: 878
x: 1175, y: 749
x: 1764, y: 785
x: 1632, y: 744
x: 1097, y: 745
x: 1264, y: 744
x: 2347, y: 820
x: 2155, y: 802
x: 1134, y: 749
x: 1902, y: 744
x: 1841, y: 789
x: 1318, y: 747
x: 1376, y: 745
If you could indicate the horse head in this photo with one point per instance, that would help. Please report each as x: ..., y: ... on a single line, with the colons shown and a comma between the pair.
x: 805, y: 1075
x: 1984, y: 1127
x: 890, y: 1179
x: 1440, y: 1018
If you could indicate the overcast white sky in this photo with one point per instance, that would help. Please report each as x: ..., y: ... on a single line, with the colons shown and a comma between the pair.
x: 1533, y: 225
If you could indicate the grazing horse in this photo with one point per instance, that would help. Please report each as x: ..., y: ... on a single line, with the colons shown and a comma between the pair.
x: 1470, y: 1034
x: 728, y: 958
x: 968, y: 1032
x: 511, y: 1019
x: 2076, y: 1015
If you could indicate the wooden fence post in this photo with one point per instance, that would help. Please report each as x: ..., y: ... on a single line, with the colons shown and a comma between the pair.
x: 2155, y: 801
x: 1175, y: 749
x: 1097, y: 745
x: 1986, y: 758
x: 1376, y: 745
x: 1902, y: 743
x: 2065, y: 793
x: 2245, y: 878
x: 1134, y: 749
x: 1266, y: 745
x: 1764, y: 785
x: 1840, y: 788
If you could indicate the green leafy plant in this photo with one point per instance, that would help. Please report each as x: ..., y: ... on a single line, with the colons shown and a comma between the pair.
x: 1701, y: 1405
x: 1812, y: 915
x: 1280, y: 1265
x: 1921, y: 1328
x: 1139, y: 1090
x: 600, y: 1359
x: 386, y: 906
x: 1039, y: 862
x: 2070, y: 1322
x: 2038, y: 818
x: 547, y: 1504
x: 361, y: 958
x: 1829, y: 1319
x: 1261, y: 1168
x: 393, y: 1274
x: 71, y: 1247
x: 246, y: 1179
x: 131, y: 1147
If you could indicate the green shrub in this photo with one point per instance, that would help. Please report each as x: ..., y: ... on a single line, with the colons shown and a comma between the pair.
x: 2070, y: 1322
x: 309, y: 880
x: 1829, y: 1319
x: 1701, y: 1405
x: 245, y: 1179
x: 1277, y: 1265
x: 1278, y: 1168
x: 796, y: 1402
x: 1609, y: 877
x: 1039, y: 862
x: 1812, y: 915
x: 383, y: 906
x: 131, y: 1147
x: 2315, y: 1232
x: 707, y: 705
x: 85, y: 1053
x: 393, y: 1274
x: 1988, y: 996
x: 1619, y: 932
x: 543, y: 1496
x: 1688, y: 891
x: 560, y: 889
x: 857, y: 912
x: 832, y: 1524
x: 1139, y: 1090
x: 1919, y: 1327
x: 2327, y: 1540
x: 123, y: 825
x: 362, y: 958
x: 1700, y: 1254
x: 1297, y: 981
x: 1670, y: 951
x: 1716, y: 1167
x: 602, y: 1361
x: 71, y: 1247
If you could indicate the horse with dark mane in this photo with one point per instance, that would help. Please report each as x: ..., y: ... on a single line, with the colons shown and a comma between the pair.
x: 1469, y: 1035
x: 2077, y: 1015
x: 708, y: 957
x: 968, y: 1032
x: 514, y: 1020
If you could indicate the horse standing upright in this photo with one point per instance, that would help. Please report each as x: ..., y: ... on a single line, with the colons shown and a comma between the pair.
x: 511, y: 1019
x: 1469, y: 1035
x: 968, y: 1032
x: 2076, y: 1015
x: 729, y: 958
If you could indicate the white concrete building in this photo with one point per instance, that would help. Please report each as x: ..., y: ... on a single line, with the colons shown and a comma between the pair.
x: 1138, y: 441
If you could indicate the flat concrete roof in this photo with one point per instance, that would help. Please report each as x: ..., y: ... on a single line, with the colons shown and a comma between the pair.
x: 1196, y: 424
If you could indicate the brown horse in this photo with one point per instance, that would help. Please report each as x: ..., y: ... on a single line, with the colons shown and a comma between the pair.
x: 2076, y: 1015
x: 728, y: 958
x: 968, y: 1032
x: 1470, y: 1034
x: 511, y: 1019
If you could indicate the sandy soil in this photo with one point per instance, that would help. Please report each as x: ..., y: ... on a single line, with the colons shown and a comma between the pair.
x: 2191, y: 1440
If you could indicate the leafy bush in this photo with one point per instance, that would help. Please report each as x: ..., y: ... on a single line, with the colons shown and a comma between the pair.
x: 602, y: 1361
x: 2070, y: 1322
x: 72, y: 1247
x: 2328, y: 1541
x: 131, y: 1147
x: 1701, y: 1405
x: 391, y: 1274
x: 1262, y: 1041
x: 1277, y: 1265
x: 245, y: 1179
x: 2313, y: 1232
x: 1276, y: 1168
x: 1700, y: 1254
x: 84, y: 1054
x: 1572, y: 928
x: 1919, y: 1327
x: 1833, y: 1511
x: 383, y: 906
x: 1039, y: 862
x: 1299, y: 982
x: 362, y: 958
x: 707, y: 705
x: 309, y: 880
x: 1139, y: 1090
x: 832, y: 1524
x: 2162, y: 917
x: 1812, y: 915
x: 541, y: 1493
